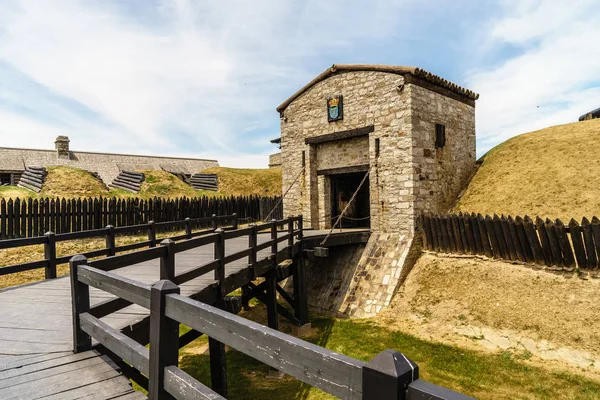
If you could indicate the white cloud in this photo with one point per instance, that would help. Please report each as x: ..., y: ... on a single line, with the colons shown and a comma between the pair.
x: 555, y: 76
x: 172, y: 76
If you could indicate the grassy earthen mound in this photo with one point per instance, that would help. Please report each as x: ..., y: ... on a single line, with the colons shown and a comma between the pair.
x: 72, y: 182
x: 159, y: 183
x: 551, y: 173
x: 245, y: 182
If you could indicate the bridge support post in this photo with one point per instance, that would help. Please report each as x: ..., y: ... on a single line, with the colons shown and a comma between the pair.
x: 164, y: 339
x: 167, y: 262
x: 80, y: 297
x: 387, y: 376
x: 271, y: 279
x: 299, y: 279
x: 216, y: 349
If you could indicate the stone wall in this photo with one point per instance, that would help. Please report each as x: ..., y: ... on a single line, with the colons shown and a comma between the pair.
x: 408, y: 175
x: 107, y: 165
x: 370, y: 98
x: 440, y: 174
x: 275, y: 160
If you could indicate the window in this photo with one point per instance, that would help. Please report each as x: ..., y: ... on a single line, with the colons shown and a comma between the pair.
x: 5, y: 179
x: 440, y: 136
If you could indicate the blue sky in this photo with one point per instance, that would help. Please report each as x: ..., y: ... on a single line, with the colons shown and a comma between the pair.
x: 203, y: 78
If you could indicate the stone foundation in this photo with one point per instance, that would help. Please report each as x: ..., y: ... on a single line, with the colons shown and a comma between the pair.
x: 383, y: 267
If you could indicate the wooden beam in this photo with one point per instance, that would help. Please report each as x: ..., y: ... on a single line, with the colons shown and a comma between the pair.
x: 331, y: 137
x: 344, y: 170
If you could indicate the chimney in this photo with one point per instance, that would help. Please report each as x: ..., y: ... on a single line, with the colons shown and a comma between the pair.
x: 62, y: 147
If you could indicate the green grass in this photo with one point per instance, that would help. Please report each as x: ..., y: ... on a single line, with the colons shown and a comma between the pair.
x: 482, y: 375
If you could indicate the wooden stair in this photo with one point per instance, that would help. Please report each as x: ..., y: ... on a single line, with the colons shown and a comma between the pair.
x: 129, y: 181
x: 204, y: 182
x: 33, y: 178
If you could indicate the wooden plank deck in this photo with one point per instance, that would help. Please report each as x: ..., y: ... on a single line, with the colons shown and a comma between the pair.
x: 36, y: 333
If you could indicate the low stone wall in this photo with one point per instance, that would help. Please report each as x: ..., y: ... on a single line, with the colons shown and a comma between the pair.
x: 359, y: 281
x: 107, y: 165
x: 275, y: 160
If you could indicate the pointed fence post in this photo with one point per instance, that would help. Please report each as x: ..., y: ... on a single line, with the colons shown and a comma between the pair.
x: 80, y: 298
x: 50, y: 255
x: 387, y: 376
x: 164, y: 339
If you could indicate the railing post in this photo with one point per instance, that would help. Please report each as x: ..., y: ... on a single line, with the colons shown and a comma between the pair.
x: 110, y: 240
x: 152, y: 234
x: 274, y: 240
x: 219, y: 254
x: 215, y: 224
x: 167, y: 262
x: 235, y: 221
x: 252, y: 243
x: 50, y: 254
x: 188, y: 228
x: 164, y: 339
x: 80, y: 299
x: 291, y: 237
x: 387, y: 376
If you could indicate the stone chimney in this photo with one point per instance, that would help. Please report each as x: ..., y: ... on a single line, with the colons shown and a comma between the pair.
x: 62, y: 147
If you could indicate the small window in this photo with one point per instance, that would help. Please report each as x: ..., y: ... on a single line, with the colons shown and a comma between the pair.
x: 440, y: 136
x: 5, y: 179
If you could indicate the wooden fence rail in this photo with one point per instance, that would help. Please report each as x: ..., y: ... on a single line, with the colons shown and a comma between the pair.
x: 516, y: 239
x: 193, y: 228
x: 20, y: 218
x: 390, y: 375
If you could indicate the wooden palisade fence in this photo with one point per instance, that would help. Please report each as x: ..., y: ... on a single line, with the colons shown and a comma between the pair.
x: 50, y: 239
x: 516, y: 239
x: 389, y: 376
x: 34, y: 217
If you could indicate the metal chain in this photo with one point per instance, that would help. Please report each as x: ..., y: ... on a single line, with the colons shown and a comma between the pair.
x: 345, y: 208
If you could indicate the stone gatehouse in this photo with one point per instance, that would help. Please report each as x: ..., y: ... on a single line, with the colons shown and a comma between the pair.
x: 412, y: 131
x: 14, y: 161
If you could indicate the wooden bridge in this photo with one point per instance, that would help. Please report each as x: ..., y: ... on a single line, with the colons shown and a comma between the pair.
x: 85, y: 335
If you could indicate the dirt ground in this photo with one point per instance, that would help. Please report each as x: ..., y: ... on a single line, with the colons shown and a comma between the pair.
x: 498, y: 306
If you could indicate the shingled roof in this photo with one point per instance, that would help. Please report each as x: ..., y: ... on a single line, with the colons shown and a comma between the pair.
x: 399, y: 70
x: 12, y: 163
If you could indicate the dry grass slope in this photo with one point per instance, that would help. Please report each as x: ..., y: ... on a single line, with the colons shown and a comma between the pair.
x: 551, y: 173
x: 72, y: 182
x: 245, y: 182
x: 164, y: 184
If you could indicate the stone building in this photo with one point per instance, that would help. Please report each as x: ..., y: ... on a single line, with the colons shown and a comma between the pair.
x: 14, y: 161
x: 412, y: 131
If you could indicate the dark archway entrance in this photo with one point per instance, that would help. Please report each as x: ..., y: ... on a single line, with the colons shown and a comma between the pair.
x: 358, y: 213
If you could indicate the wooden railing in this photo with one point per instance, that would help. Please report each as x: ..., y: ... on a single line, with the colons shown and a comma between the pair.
x: 390, y: 375
x: 49, y: 240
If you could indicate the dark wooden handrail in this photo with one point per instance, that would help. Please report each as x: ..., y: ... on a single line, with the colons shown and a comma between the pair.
x: 388, y: 376
x: 50, y: 239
